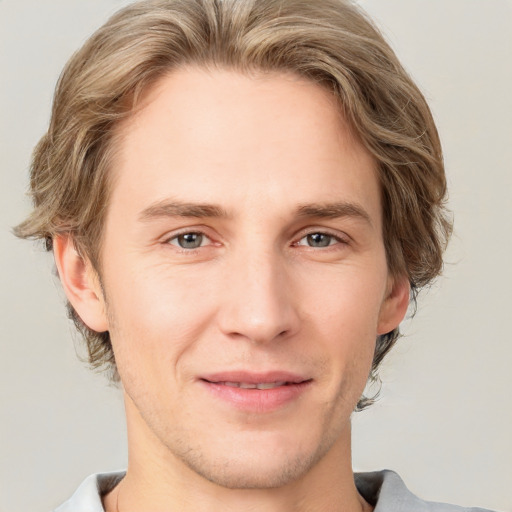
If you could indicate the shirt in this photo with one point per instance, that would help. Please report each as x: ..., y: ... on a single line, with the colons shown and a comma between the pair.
x: 385, y: 490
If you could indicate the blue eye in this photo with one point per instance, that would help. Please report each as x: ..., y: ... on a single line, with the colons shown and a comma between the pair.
x: 318, y: 240
x: 188, y: 240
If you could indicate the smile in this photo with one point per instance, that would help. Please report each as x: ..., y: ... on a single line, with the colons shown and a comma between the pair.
x: 256, y: 392
x: 259, y: 385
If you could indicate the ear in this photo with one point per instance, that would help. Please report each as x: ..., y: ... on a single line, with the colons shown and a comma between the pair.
x: 81, y: 284
x: 395, y: 304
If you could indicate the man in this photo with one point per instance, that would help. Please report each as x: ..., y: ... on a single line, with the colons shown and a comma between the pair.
x: 241, y: 197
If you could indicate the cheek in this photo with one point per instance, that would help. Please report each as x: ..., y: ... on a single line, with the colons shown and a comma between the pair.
x: 346, y: 301
x: 155, y: 317
x: 341, y: 313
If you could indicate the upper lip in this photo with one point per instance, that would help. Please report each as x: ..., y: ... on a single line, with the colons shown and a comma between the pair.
x: 255, y: 377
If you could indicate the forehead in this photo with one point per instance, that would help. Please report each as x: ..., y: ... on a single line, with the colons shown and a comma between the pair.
x: 241, y: 140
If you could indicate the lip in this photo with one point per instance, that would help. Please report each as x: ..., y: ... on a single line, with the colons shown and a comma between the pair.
x: 256, y: 400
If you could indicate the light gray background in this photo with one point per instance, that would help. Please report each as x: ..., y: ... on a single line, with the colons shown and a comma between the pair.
x: 445, y: 417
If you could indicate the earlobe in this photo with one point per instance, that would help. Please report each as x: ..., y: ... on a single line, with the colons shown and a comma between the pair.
x: 81, y: 284
x: 395, y: 305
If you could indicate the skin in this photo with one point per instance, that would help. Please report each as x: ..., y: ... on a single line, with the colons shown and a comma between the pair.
x: 289, y: 274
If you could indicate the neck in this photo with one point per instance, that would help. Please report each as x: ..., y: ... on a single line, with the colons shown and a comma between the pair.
x: 157, y: 480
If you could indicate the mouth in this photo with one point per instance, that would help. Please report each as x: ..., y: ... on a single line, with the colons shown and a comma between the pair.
x: 259, y: 385
x: 257, y: 392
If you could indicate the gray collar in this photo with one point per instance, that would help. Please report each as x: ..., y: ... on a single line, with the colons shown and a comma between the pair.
x: 385, y: 490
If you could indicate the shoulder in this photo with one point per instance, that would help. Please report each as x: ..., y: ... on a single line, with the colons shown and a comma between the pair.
x: 87, y: 497
x: 383, y: 489
x: 388, y: 493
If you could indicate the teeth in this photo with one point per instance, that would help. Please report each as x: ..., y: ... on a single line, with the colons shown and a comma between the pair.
x: 270, y: 385
x: 246, y: 385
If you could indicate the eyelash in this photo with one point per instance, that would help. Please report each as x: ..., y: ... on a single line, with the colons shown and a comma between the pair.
x: 184, y: 233
x: 332, y: 237
x: 336, y: 238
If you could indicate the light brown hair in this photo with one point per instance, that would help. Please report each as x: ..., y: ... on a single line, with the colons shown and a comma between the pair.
x: 331, y: 42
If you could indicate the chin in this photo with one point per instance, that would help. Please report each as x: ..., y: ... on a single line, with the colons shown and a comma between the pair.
x: 263, y: 465
x: 251, y: 474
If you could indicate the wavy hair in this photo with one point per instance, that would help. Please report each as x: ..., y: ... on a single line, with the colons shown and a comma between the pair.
x: 331, y: 42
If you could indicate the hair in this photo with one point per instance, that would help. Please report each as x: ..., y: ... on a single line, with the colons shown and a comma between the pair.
x: 331, y: 42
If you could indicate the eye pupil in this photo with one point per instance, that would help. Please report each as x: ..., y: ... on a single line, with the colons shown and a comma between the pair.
x: 190, y: 240
x: 319, y: 240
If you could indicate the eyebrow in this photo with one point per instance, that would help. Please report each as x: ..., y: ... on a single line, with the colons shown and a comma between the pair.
x: 204, y: 210
x: 334, y: 211
x: 178, y: 209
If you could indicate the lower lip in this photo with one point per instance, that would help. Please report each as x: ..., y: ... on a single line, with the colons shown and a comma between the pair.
x: 257, y: 400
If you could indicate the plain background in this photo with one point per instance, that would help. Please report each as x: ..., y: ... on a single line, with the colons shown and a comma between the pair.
x: 444, y: 421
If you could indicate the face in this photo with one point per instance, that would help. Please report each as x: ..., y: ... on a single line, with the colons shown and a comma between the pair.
x: 244, y: 273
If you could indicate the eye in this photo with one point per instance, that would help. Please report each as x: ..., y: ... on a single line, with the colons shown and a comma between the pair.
x: 318, y: 240
x: 190, y: 240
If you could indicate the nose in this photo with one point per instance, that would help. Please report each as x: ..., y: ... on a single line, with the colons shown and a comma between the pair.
x: 258, y: 302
